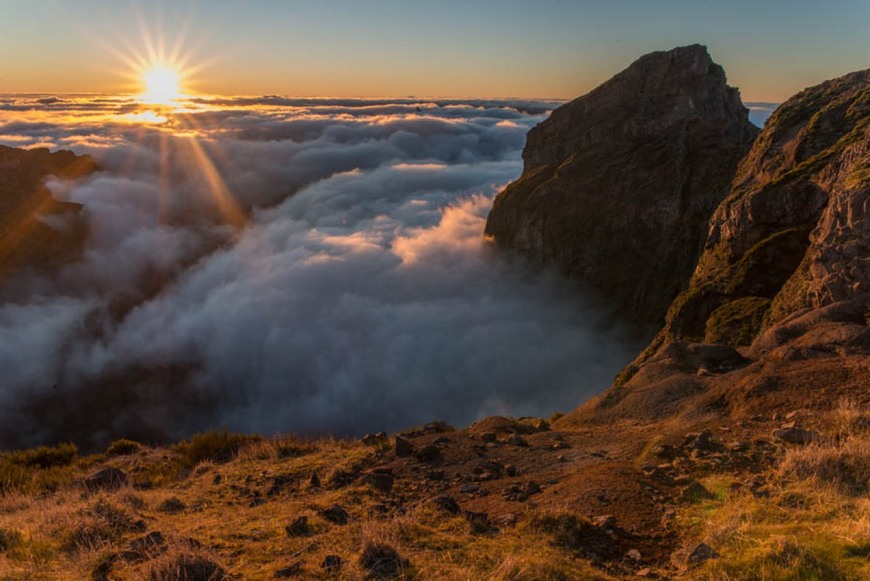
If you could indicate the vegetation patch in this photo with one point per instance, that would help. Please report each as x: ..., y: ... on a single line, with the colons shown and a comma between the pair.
x: 738, y: 322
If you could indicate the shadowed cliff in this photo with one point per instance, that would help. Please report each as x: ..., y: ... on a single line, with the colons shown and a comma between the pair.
x: 618, y: 185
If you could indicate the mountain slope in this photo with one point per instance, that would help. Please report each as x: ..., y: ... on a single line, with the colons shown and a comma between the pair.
x: 618, y: 184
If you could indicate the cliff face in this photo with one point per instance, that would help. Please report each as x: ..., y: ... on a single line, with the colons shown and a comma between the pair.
x: 794, y: 233
x: 649, y: 155
x: 35, y: 229
x: 784, y: 276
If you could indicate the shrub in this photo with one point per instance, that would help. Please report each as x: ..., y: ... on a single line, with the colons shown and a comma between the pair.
x: 43, y: 456
x: 9, y: 540
x: 215, y: 445
x: 123, y: 447
x: 382, y: 561
x: 182, y: 565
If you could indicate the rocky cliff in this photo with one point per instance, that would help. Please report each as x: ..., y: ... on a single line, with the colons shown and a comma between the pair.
x: 647, y: 155
x: 794, y: 233
x: 36, y: 229
x: 784, y: 277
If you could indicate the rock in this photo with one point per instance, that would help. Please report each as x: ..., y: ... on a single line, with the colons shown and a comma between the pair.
x: 381, y: 481
x: 469, y: 488
x: 683, y: 480
x: 106, y: 479
x: 652, y: 150
x: 446, y: 503
x: 336, y: 514
x: 605, y: 521
x: 437, y: 427
x: 29, y: 241
x: 434, y: 475
x: 634, y: 555
x: 699, y: 441
x: 372, y: 439
x: 332, y: 564
x: 797, y: 436
x: 695, y: 491
x: 645, y: 572
x: 404, y: 447
x: 144, y: 548
x: 488, y: 437
x: 479, y: 522
x: 511, y: 470
x: 701, y: 554
x: 314, y: 481
x: 299, y: 527
x: 760, y: 267
x: 428, y: 454
x: 516, y: 440
x: 291, y: 570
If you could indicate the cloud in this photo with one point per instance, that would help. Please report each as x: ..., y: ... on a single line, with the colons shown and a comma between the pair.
x: 759, y: 113
x: 359, y: 294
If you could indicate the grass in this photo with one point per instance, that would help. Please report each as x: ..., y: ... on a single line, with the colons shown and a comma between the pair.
x: 38, y: 469
x: 815, y: 524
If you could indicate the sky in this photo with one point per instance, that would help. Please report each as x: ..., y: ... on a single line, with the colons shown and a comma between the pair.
x: 450, y: 48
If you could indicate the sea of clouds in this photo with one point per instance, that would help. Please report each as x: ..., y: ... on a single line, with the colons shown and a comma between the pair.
x: 288, y: 265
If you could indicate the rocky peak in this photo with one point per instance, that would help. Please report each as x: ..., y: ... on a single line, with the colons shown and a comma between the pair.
x: 650, y: 154
x: 26, y: 236
x: 794, y: 233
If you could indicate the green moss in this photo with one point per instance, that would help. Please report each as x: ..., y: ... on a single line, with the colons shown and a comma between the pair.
x: 738, y: 322
x: 764, y: 268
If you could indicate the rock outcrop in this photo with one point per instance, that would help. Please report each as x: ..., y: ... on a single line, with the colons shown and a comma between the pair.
x: 36, y: 229
x: 618, y: 185
x: 794, y: 233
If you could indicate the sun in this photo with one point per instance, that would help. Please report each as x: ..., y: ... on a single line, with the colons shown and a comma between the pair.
x: 162, y: 85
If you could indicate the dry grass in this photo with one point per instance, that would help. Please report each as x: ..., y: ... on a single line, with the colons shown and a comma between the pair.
x: 815, y: 523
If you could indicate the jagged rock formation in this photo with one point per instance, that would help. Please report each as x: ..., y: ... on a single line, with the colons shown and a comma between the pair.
x: 794, y: 233
x: 619, y: 184
x: 785, y: 276
x: 36, y: 229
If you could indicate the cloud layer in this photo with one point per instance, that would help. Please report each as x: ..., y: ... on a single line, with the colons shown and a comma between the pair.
x: 271, y: 265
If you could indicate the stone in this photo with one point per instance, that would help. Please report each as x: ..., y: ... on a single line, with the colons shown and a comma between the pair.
x: 291, y: 570
x: 701, y: 554
x: 298, y: 528
x: 797, y: 436
x: 516, y: 440
x: 428, y: 454
x: 336, y: 514
x: 380, y: 481
x: 446, y: 503
x: 488, y: 437
x: 404, y: 447
x: 469, y: 488
x: 106, y: 479
x: 605, y: 521
x: 695, y: 491
x: 332, y: 564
